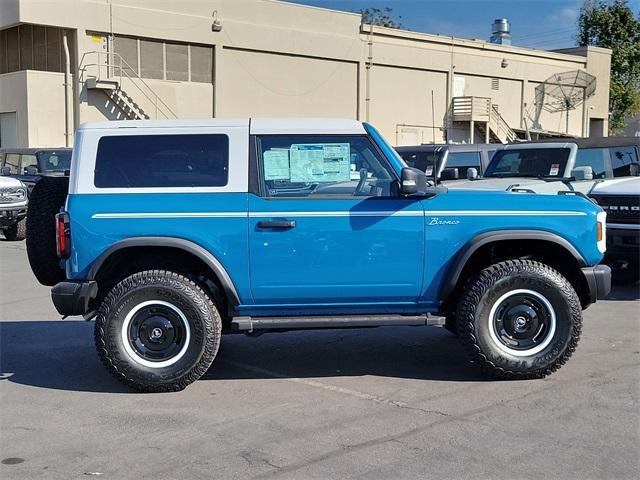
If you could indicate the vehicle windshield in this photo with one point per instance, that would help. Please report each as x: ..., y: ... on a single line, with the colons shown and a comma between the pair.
x: 530, y: 162
x: 54, y: 160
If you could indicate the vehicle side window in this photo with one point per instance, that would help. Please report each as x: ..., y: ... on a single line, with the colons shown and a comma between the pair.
x: 12, y: 160
x: 162, y: 161
x: 621, y: 160
x: 596, y: 158
x: 308, y: 166
x: 27, y: 160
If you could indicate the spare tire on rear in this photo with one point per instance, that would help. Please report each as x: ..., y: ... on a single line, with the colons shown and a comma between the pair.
x: 46, y: 199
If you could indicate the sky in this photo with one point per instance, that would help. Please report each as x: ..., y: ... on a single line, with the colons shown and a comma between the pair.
x: 544, y: 24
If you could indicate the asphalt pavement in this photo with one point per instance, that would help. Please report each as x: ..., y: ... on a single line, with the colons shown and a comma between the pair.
x: 386, y: 403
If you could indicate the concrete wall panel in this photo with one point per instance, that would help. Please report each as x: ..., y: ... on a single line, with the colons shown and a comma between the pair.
x: 264, y: 84
x: 401, y: 106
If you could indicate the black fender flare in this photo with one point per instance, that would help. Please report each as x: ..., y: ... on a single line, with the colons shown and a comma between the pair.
x: 172, y: 242
x: 465, y: 253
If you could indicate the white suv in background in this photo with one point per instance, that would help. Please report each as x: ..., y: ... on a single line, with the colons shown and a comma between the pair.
x: 13, y: 208
x: 620, y: 198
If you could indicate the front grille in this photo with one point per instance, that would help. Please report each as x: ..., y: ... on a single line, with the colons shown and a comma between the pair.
x: 619, y: 208
x: 4, y: 195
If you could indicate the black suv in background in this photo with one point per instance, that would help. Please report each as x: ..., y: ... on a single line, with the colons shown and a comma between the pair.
x: 30, y: 164
x: 454, y: 160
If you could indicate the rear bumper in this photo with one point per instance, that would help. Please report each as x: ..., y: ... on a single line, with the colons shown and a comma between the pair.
x: 599, y: 281
x: 72, y: 298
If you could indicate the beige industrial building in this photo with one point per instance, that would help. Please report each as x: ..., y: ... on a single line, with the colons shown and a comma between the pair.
x: 64, y: 62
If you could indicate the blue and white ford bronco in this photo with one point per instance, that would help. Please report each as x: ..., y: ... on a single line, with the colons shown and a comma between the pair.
x: 174, y: 232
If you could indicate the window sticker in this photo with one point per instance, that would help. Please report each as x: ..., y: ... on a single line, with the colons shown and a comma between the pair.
x: 429, y: 170
x: 320, y: 163
x: 276, y: 164
x: 555, y: 168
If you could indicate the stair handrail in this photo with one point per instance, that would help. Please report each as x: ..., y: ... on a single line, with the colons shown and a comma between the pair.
x: 123, y: 67
x: 499, y: 125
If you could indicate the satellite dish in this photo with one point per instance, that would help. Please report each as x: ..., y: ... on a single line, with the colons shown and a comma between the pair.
x: 563, y: 92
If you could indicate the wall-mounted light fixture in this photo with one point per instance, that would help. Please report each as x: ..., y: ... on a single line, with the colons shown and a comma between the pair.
x: 216, y: 26
x: 504, y: 63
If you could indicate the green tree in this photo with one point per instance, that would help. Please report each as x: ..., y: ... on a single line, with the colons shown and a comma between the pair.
x: 612, y: 24
x: 382, y: 17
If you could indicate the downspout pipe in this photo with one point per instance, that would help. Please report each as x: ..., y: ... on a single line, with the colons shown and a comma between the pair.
x: 68, y: 94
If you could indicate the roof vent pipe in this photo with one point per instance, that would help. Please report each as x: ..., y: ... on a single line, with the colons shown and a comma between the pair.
x: 501, y: 32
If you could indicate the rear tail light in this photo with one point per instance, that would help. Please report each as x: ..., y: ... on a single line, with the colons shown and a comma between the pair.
x: 63, y: 235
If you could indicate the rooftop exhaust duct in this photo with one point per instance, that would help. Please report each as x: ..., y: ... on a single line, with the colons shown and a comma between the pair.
x: 501, y: 32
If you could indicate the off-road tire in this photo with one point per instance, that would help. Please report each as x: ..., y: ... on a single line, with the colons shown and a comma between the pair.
x: 491, y: 284
x: 17, y: 231
x: 46, y: 199
x: 158, y: 285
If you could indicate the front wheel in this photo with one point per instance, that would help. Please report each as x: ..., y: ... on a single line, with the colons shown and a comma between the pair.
x: 519, y: 319
x: 157, y: 331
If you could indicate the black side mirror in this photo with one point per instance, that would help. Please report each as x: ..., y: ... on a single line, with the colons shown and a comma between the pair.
x: 5, y: 171
x: 449, y: 174
x: 413, y: 181
x: 31, y: 170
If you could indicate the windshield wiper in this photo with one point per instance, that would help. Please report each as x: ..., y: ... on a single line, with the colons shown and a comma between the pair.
x: 548, y: 178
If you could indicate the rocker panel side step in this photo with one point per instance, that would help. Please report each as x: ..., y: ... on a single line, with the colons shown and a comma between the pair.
x: 249, y: 324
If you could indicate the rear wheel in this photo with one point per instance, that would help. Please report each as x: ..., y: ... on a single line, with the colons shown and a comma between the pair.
x: 17, y: 231
x: 519, y: 319
x: 157, y: 331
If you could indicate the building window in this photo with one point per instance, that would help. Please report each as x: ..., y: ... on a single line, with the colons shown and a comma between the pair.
x: 201, y: 64
x: 34, y: 47
x: 26, y: 47
x: 165, y: 60
x: 127, y: 48
x: 177, y: 62
x: 39, y: 47
x: 151, y: 59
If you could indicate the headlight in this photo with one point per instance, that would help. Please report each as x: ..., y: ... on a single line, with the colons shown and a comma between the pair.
x: 601, y: 218
x: 12, y: 195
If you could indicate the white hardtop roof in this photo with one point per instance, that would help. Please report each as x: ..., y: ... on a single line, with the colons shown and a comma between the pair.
x: 318, y: 126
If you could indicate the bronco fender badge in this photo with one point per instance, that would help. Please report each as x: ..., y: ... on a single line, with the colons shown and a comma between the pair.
x: 437, y: 221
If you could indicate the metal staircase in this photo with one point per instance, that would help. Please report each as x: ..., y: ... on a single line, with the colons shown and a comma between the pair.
x: 110, y: 74
x: 480, y: 113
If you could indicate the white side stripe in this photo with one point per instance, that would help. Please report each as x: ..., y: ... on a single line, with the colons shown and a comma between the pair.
x: 344, y: 213
x: 172, y: 215
x: 471, y: 213
x: 401, y: 213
